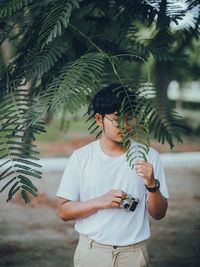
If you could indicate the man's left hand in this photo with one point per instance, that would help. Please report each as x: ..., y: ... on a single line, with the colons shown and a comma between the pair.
x: 145, y: 169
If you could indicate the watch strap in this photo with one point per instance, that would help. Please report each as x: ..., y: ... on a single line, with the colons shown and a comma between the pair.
x: 155, y: 188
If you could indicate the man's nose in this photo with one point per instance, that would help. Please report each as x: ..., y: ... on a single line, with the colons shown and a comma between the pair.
x: 124, y: 123
x: 125, y: 126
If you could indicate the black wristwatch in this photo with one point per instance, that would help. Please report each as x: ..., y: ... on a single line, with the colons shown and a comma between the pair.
x: 155, y: 188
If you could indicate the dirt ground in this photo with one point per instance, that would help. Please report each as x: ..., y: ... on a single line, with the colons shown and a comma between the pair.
x: 33, y: 235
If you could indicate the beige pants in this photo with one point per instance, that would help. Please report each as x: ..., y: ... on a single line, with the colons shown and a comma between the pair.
x: 92, y: 254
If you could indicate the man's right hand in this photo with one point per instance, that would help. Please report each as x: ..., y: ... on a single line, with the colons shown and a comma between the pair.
x: 111, y: 199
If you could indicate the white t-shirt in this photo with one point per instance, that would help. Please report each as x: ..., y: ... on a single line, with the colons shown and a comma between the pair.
x: 91, y: 173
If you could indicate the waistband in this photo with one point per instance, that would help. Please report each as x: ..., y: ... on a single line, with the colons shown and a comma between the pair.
x: 92, y: 243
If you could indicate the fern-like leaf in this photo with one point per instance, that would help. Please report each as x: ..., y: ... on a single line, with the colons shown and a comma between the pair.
x: 9, y: 7
x: 38, y: 63
x: 166, y: 125
x: 76, y: 82
x: 57, y: 20
x: 17, y: 163
x: 137, y: 131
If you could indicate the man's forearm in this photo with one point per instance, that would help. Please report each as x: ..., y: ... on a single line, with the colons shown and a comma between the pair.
x: 157, y: 205
x: 72, y: 210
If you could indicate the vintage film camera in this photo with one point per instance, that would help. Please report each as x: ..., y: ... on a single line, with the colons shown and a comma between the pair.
x: 129, y: 203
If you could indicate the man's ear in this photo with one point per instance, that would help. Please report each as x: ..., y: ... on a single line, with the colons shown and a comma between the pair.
x: 99, y: 119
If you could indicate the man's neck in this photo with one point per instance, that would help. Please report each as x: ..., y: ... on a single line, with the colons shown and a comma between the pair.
x: 111, y: 148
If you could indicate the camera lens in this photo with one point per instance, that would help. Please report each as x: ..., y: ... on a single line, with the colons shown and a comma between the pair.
x: 126, y: 206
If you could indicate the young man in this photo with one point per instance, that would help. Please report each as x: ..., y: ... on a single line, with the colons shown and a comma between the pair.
x: 95, y: 183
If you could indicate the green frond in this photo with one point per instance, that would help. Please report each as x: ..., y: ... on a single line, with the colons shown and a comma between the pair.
x: 40, y: 62
x: 93, y: 128
x: 25, y: 196
x: 192, y: 3
x: 136, y: 152
x: 11, y: 6
x: 76, y: 82
x: 137, y: 133
x: 57, y: 20
x: 133, y: 44
x: 166, y: 125
x: 163, y: 12
x: 13, y: 190
x: 133, y: 112
x: 17, y: 163
x: 161, y: 54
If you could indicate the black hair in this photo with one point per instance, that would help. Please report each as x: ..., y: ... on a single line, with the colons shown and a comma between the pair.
x: 108, y: 100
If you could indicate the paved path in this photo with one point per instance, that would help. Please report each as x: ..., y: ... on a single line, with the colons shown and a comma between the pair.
x: 168, y: 159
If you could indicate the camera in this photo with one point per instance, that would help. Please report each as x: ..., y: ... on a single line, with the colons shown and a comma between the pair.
x: 129, y: 203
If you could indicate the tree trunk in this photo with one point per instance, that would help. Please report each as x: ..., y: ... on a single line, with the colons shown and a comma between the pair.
x: 162, y: 80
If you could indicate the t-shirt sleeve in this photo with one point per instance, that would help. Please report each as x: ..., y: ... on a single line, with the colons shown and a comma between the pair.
x: 69, y: 185
x: 155, y: 160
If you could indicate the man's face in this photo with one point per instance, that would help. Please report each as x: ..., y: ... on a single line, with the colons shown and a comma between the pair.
x: 109, y: 125
x: 110, y: 129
